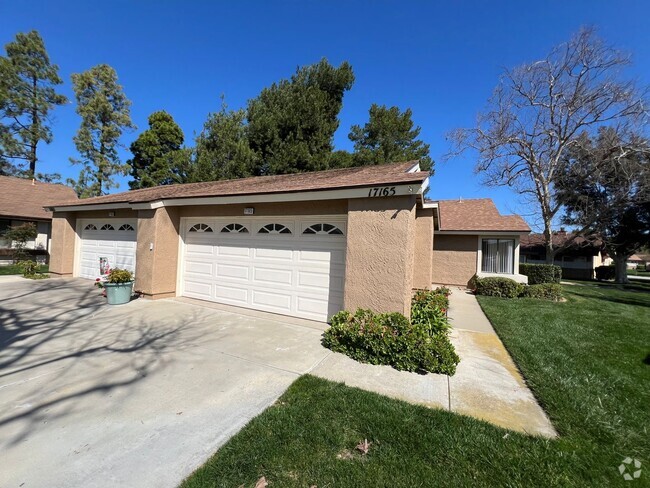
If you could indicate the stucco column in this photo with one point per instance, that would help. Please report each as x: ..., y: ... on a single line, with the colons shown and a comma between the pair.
x: 157, y: 252
x: 379, y: 256
x: 63, y: 243
x: 423, y: 256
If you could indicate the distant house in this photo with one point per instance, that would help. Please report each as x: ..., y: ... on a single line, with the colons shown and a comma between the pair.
x: 638, y: 260
x: 578, y: 259
x: 21, y: 201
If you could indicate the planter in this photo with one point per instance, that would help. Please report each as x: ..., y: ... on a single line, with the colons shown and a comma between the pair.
x: 118, y: 293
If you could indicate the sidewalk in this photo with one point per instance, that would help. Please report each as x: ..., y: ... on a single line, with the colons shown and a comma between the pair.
x: 487, y: 384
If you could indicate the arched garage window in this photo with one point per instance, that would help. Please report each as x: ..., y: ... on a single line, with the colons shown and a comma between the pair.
x: 274, y: 229
x: 127, y: 227
x: 235, y: 228
x: 107, y: 227
x: 201, y: 228
x: 323, y: 229
x: 90, y: 227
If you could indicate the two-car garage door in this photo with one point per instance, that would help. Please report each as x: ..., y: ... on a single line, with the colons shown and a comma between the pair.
x: 291, y: 266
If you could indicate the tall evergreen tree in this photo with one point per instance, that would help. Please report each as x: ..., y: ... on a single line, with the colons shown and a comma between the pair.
x: 156, y: 152
x: 389, y: 136
x: 292, y: 123
x: 27, y: 96
x: 105, y: 114
x: 222, y: 148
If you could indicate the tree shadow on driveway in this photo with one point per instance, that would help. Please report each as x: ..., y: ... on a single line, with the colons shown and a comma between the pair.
x: 63, y: 351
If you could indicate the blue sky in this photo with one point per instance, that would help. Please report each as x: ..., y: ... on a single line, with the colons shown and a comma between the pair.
x: 440, y: 59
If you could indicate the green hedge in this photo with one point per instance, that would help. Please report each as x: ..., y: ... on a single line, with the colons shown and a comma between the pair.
x: 498, y: 287
x: 541, y: 273
x: 545, y: 291
x: 605, y: 273
x: 421, y: 344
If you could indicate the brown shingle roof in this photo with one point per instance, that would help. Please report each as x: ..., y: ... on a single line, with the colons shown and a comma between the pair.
x: 317, y: 180
x: 536, y: 243
x: 478, y: 214
x: 21, y: 198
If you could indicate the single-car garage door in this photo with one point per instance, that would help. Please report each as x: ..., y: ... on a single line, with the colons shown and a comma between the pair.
x: 291, y: 266
x: 113, y: 239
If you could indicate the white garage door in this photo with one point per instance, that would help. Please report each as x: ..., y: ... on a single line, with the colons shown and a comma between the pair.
x: 113, y: 239
x: 291, y: 266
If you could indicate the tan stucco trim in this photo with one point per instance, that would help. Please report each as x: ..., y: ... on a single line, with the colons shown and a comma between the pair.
x: 380, y: 254
x: 454, y: 259
x: 422, y: 267
x: 62, y: 251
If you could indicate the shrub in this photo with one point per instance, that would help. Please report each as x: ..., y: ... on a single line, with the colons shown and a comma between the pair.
x: 498, y: 287
x: 421, y: 344
x: 541, y: 273
x: 545, y: 291
x: 429, y: 309
x: 19, y: 235
x: 605, y: 273
x: 117, y: 275
x: 471, y: 284
x: 27, y: 267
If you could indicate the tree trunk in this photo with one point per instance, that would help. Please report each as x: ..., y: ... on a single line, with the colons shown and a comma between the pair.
x: 548, y: 242
x: 34, y: 132
x: 620, y: 266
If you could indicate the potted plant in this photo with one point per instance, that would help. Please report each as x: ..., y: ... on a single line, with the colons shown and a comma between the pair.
x: 118, y: 286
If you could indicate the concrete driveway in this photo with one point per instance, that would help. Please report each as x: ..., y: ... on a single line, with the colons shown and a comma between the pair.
x: 133, y: 395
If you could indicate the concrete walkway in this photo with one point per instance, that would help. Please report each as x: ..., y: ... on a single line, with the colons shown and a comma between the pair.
x: 487, y: 384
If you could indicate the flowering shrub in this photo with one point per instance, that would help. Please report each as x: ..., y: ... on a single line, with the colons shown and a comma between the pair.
x: 421, y: 344
x: 117, y: 275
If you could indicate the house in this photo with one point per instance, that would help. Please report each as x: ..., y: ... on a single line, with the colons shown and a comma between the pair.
x: 637, y: 261
x: 578, y: 257
x: 472, y: 237
x: 21, y: 201
x: 305, y: 245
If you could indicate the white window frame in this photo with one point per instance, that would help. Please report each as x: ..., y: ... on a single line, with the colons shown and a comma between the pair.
x: 479, y: 254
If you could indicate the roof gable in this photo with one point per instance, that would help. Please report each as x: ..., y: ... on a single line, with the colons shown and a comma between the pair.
x: 479, y: 214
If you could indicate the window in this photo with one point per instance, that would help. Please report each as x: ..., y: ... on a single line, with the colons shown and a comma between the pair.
x: 235, y: 228
x: 127, y: 227
x: 107, y: 227
x: 201, y: 228
x: 90, y: 227
x: 274, y: 229
x: 323, y: 229
x: 498, y: 256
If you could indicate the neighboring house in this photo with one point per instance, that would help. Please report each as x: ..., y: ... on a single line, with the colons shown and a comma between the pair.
x: 305, y: 245
x: 21, y: 201
x: 472, y: 237
x: 638, y: 260
x: 578, y: 257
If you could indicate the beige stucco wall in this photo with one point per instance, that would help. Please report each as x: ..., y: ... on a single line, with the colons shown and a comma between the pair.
x: 157, y: 252
x: 323, y: 207
x: 63, y: 243
x: 423, y: 256
x: 380, y: 253
x: 454, y: 259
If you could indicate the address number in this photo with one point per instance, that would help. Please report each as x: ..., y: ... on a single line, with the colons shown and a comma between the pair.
x: 382, y: 191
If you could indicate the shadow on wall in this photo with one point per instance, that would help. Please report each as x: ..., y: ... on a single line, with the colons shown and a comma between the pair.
x: 54, y: 348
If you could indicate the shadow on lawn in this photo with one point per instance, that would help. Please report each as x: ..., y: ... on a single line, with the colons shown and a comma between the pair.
x: 628, y: 294
x: 60, y: 342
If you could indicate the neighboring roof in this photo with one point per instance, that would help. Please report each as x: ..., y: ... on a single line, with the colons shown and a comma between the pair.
x: 24, y: 198
x: 312, y: 181
x: 639, y: 258
x: 479, y: 215
x: 571, y: 243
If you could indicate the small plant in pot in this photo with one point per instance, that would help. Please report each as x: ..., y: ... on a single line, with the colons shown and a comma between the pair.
x: 118, y: 286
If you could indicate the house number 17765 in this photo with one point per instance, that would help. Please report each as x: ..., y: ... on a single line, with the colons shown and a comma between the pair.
x: 382, y: 191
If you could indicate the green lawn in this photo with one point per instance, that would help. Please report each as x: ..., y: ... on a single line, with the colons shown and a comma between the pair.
x: 12, y: 269
x: 586, y: 360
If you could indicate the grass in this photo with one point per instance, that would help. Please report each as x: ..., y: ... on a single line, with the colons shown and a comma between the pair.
x: 12, y: 269
x: 586, y: 360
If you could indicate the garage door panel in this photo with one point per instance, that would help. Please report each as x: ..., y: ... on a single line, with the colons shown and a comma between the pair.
x: 273, y: 276
x: 232, y: 271
x: 311, y: 279
x: 232, y: 294
x: 200, y: 249
x: 273, y: 253
x: 198, y: 289
x: 233, y: 251
x: 201, y: 268
x: 271, y: 300
x: 322, y: 256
